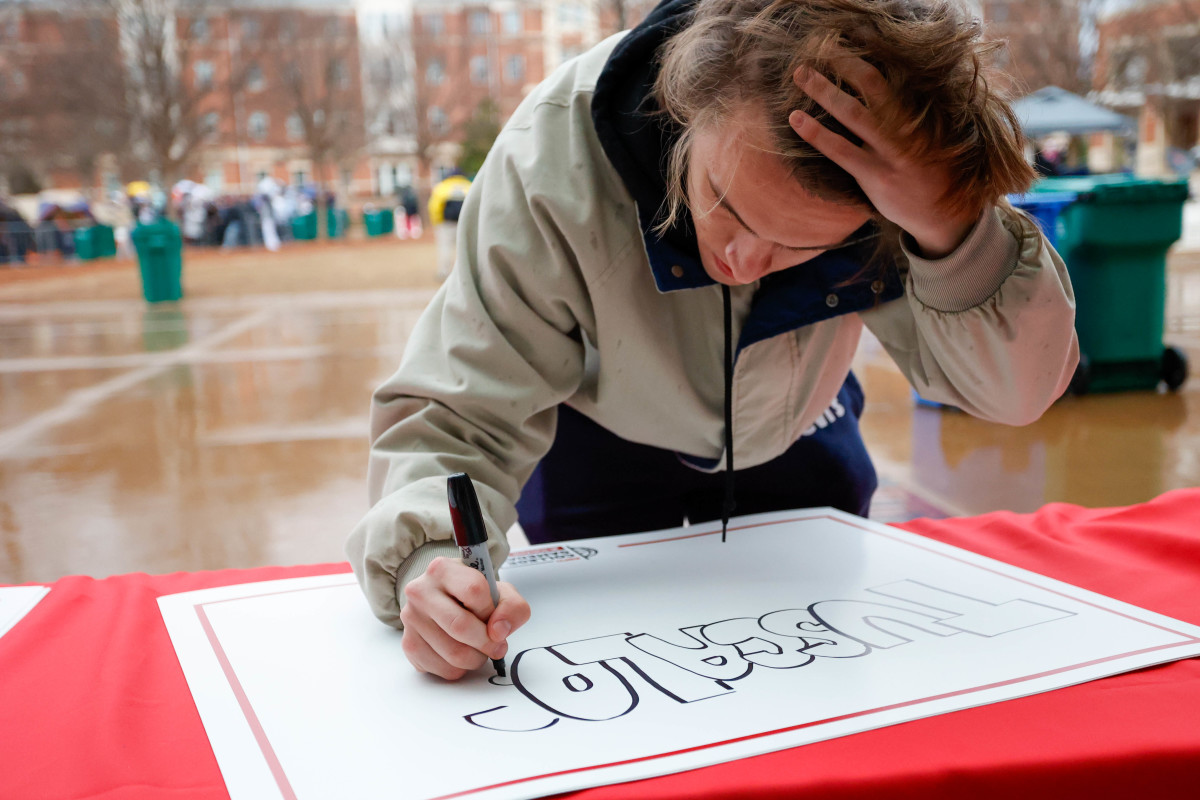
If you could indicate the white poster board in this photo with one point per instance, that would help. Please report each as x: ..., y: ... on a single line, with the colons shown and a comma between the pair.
x: 646, y: 654
x: 16, y: 602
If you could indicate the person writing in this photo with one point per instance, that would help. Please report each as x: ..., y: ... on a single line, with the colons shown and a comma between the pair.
x: 665, y: 266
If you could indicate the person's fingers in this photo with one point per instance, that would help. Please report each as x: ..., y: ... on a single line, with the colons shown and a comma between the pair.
x: 512, y: 613
x: 837, y: 148
x: 424, y: 659
x: 447, y: 649
x: 452, y: 651
x: 842, y: 106
x: 868, y: 81
x: 429, y: 604
x: 462, y: 583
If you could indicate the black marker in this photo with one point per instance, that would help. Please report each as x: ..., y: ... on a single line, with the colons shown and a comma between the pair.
x: 471, y: 537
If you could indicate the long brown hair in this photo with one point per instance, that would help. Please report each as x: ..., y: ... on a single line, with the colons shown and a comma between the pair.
x: 929, y: 52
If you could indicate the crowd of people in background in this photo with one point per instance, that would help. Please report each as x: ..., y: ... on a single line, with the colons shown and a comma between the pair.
x: 51, y: 232
x: 264, y: 218
x: 267, y: 218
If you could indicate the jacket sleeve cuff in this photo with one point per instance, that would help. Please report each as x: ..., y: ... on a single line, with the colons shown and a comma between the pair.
x: 971, y: 274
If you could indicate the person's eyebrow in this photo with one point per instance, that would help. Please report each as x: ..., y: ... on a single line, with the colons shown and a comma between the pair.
x: 724, y: 203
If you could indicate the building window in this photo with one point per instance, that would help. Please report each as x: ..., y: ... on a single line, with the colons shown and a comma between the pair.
x: 514, y: 69
x: 295, y: 127
x: 10, y: 31
x: 251, y: 29
x: 254, y: 78
x: 209, y: 124
x: 287, y: 28
x: 1184, y: 55
x: 95, y: 30
x: 479, y: 70
x: 438, y: 124
x: 12, y: 84
x: 300, y: 178
x: 479, y: 22
x: 1133, y: 75
x: 202, y: 71
x: 572, y: 15
x: 435, y: 72
x: 258, y: 125
x: 339, y: 74
x: 199, y: 30
x: 333, y: 27
x: 434, y: 24
x: 512, y: 22
x: 292, y: 74
x: 214, y: 178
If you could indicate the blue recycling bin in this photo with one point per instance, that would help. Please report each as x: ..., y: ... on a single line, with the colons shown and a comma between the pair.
x: 1046, y: 208
x: 1114, y: 239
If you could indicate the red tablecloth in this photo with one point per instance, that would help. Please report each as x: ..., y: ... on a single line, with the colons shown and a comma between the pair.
x: 93, y: 703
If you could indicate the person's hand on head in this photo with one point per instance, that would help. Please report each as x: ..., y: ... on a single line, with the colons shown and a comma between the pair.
x: 903, y: 187
x: 450, y: 627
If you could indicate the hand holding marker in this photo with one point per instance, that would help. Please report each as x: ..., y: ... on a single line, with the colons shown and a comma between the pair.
x: 471, y: 537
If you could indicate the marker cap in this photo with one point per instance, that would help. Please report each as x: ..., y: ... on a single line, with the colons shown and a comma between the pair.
x: 464, y: 511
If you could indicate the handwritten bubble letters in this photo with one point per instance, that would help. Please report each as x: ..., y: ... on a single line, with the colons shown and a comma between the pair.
x: 600, y: 679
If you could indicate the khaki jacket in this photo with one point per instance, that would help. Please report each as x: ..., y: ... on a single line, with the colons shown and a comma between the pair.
x: 552, y: 301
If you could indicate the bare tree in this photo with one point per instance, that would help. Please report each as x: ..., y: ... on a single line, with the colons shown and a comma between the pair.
x: 168, y: 103
x: 442, y: 91
x: 319, y: 67
x: 1047, y: 41
x: 1149, y: 54
x: 65, y: 105
x: 393, y: 109
x: 618, y: 15
x: 83, y: 110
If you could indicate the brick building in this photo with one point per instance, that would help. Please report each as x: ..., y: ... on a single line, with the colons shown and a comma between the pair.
x: 1042, y: 43
x: 359, y: 95
x: 276, y: 91
x: 56, y: 128
x: 1148, y: 66
x: 465, y: 54
x: 469, y: 51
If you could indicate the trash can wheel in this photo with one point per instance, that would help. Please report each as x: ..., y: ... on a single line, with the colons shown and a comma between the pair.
x: 1174, y: 367
x: 1082, y: 377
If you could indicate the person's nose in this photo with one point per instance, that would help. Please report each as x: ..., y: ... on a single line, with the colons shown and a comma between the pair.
x: 748, y: 257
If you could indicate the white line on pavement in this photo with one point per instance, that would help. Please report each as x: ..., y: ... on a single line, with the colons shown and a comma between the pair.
x: 83, y: 401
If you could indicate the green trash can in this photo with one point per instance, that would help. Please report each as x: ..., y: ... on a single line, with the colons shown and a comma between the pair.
x: 95, y: 241
x: 379, y: 222
x: 160, y: 257
x: 1114, y: 240
x: 304, y: 226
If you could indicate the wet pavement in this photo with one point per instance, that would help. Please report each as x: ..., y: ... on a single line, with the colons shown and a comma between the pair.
x: 229, y: 430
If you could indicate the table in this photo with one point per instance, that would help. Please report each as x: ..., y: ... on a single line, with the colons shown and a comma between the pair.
x: 93, y: 703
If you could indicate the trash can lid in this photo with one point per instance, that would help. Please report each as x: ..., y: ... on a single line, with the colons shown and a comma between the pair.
x: 1040, y: 199
x: 1116, y: 188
